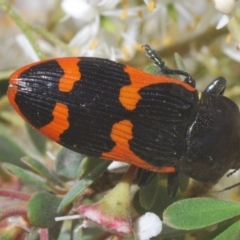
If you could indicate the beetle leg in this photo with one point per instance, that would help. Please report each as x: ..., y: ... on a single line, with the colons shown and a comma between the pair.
x: 173, y: 184
x: 166, y: 70
x: 217, y: 86
x: 144, y: 177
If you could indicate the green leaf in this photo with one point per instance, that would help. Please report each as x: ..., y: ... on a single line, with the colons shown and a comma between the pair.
x: 38, y: 139
x: 67, y: 163
x: 184, y: 182
x: 149, y: 193
x: 54, y: 232
x: 153, y: 69
x: 87, y: 165
x: 14, y: 233
x: 163, y: 201
x: 171, y: 233
x: 78, y: 188
x: 197, y: 213
x: 221, y: 227
x: 108, y: 25
x: 34, y: 235
x: 180, y: 64
x: 10, y: 152
x: 82, y: 185
x: 3, y: 85
x: 172, y: 12
x: 98, y: 170
x: 42, y: 170
x: 232, y: 232
x: 27, y: 177
x: 42, y: 209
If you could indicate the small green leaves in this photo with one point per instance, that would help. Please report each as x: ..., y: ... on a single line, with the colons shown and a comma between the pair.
x: 87, y: 165
x: 148, y: 194
x: 172, y: 12
x: 162, y: 201
x: 42, y: 170
x: 230, y: 233
x: 108, y: 25
x: 38, y: 139
x: 153, y: 69
x: 10, y: 152
x: 112, y: 212
x: 82, y: 185
x: 67, y: 163
x: 42, y: 209
x: 180, y: 64
x: 77, y: 189
x: 197, y: 213
x: 28, y: 177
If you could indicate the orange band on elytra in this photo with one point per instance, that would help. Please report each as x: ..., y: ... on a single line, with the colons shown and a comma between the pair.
x: 129, y: 95
x: 59, y: 124
x: 71, y: 73
x: 121, y: 134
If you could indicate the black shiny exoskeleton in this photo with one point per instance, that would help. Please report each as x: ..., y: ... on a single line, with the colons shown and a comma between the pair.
x: 106, y: 109
x: 213, y: 137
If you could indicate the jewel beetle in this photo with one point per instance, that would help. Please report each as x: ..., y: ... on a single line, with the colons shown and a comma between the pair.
x: 110, y: 110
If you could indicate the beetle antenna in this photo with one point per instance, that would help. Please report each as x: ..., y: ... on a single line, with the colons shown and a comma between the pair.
x: 228, y: 188
x: 232, y: 172
x: 164, y: 69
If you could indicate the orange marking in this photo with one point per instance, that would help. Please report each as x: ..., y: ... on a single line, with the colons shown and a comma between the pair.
x: 60, y: 113
x: 129, y: 95
x: 71, y: 73
x: 65, y: 85
x: 121, y: 134
x: 58, y: 125
x: 11, y: 93
x: 13, y: 88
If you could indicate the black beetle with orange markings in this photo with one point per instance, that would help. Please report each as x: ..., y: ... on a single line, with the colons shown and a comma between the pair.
x: 102, y: 108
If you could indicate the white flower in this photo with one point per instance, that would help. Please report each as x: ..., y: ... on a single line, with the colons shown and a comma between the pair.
x: 27, y: 47
x: 232, y: 51
x: 35, y: 11
x: 147, y: 226
x: 159, y: 26
x: 79, y: 9
x: 227, y: 7
x: 224, y: 20
x: 95, y: 39
x: 28, y: 50
x: 116, y: 166
x: 188, y: 11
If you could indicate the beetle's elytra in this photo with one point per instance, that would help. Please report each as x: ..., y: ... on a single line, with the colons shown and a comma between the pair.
x: 102, y: 108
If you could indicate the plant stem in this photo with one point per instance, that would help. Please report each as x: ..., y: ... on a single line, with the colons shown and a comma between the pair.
x: 23, y: 26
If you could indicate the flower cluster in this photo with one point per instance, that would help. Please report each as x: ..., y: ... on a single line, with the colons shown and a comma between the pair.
x: 117, y: 29
x: 113, y: 29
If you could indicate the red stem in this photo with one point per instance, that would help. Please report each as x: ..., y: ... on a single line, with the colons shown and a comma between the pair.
x: 14, y: 194
x: 13, y: 212
x: 22, y: 236
x: 44, y: 234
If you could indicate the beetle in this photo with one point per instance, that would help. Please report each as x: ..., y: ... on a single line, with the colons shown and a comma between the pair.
x: 110, y: 110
